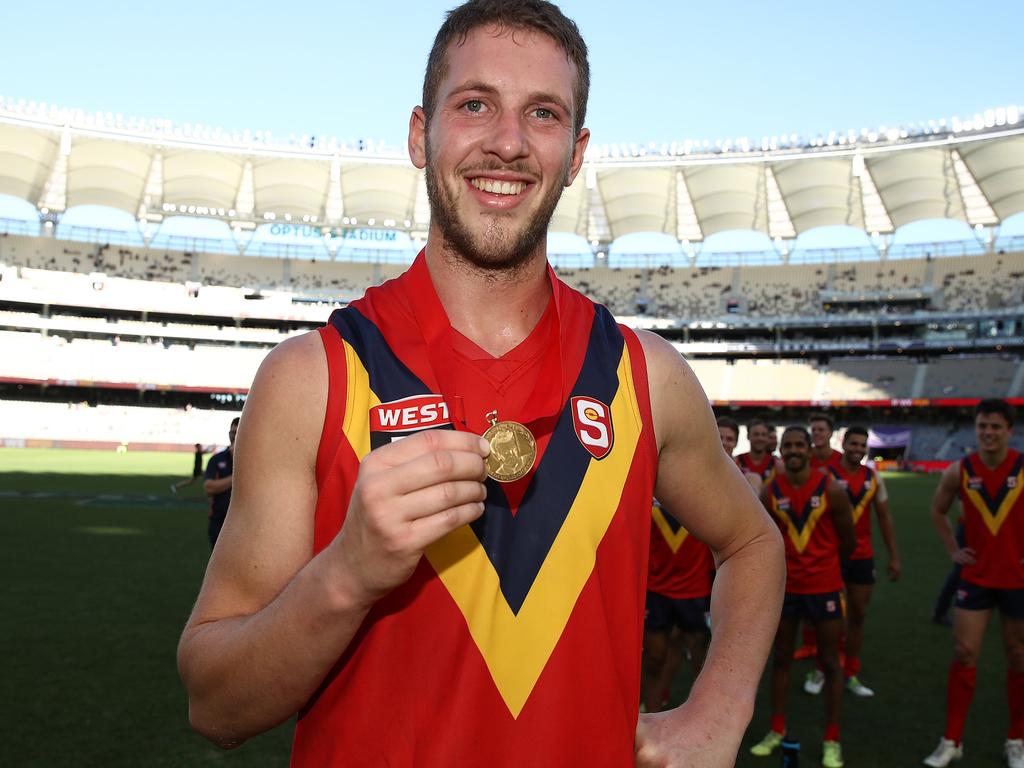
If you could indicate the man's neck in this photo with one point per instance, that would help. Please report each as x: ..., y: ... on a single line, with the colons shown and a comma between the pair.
x: 796, y: 479
x: 849, y: 465
x: 823, y: 452
x: 757, y: 455
x: 495, y: 310
x: 993, y: 459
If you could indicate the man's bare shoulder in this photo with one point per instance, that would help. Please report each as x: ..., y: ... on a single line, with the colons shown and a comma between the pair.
x: 289, y: 393
x: 671, y: 382
x: 657, y: 347
x: 951, y: 476
x: 296, y: 358
x: 665, y: 364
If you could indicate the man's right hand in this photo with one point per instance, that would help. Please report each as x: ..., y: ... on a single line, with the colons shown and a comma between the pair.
x: 963, y: 556
x: 408, y: 494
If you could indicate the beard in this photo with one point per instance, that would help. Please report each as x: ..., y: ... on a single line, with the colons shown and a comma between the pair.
x: 501, y: 247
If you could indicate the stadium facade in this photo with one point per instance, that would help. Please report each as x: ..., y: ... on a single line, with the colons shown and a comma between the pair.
x: 144, y: 334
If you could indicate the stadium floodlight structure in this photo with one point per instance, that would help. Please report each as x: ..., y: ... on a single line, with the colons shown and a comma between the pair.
x: 877, y: 180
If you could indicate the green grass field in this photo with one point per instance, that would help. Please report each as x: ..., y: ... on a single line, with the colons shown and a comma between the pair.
x: 101, y: 565
x: 99, y: 572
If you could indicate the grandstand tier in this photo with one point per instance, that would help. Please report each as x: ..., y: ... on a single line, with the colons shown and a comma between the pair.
x: 877, y: 181
x: 989, y: 281
x: 107, y: 359
x: 114, y: 330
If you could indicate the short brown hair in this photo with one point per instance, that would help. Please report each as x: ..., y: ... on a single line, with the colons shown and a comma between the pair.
x: 534, y: 15
x: 855, y: 430
x: 727, y: 422
x: 995, y: 405
x: 823, y: 417
x: 797, y: 428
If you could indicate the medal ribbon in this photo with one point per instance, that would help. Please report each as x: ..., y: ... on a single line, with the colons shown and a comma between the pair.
x: 540, y: 413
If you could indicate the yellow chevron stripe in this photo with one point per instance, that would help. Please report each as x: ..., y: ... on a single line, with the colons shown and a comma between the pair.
x: 866, y: 500
x: 516, y: 647
x: 798, y: 537
x: 359, y: 399
x: 673, y: 539
x: 993, y: 520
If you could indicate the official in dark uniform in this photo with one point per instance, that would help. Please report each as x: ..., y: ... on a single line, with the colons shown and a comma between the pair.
x: 217, y: 484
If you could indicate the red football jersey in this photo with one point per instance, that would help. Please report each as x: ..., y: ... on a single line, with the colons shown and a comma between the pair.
x: 764, y: 468
x: 832, y: 461
x: 681, y: 566
x: 994, y: 520
x: 812, y: 544
x: 861, y: 488
x: 526, y: 625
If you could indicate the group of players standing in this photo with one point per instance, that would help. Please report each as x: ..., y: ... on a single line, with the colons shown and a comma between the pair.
x: 821, y: 499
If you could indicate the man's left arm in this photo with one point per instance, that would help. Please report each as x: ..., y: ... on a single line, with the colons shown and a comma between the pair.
x: 888, y: 531
x: 701, y: 486
x: 842, y: 518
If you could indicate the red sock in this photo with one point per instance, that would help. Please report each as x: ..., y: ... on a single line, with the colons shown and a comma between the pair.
x: 1015, y: 696
x: 779, y: 724
x: 810, y: 637
x: 959, y: 692
x: 852, y: 666
x: 832, y: 732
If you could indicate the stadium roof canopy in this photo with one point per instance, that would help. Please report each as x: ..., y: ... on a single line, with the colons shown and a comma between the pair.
x: 876, y: 181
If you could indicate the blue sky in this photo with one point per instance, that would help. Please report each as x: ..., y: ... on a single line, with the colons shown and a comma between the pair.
x: 662, y: 71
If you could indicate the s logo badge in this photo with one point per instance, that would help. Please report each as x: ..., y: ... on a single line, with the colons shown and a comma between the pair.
x: 593, y: 422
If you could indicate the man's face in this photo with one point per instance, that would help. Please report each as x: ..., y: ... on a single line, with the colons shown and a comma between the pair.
x: 795, y: 450
x: 773, y: 440
x: 500, y: 146
x: 729, y: 439
x: 758, y: 437
x: 821, y: 433
x: 855, y: 447
x: 232, y: 432
x: 992, y: 432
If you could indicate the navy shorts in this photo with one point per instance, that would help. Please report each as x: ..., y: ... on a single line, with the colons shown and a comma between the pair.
x: 690, y: 614
x: 820, y: 606
x: 972, y: 597
x: 859, y: 571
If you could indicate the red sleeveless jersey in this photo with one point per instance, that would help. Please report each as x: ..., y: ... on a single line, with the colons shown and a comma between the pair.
x: 516, y: 642
x: 681, y: 566
x: 812, y: 544
x: 861, y: 487
x: 764, y: 468
x: 993, y: 509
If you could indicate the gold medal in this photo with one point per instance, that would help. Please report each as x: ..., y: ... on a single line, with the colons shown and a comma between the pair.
x: 513, y: 449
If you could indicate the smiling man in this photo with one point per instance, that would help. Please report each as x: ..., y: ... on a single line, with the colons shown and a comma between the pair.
x: 759, y: 460
x: 813, y: 513
x: 989, y: 484
x: 436, y: 552
x: 866, y: 490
